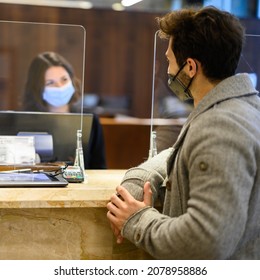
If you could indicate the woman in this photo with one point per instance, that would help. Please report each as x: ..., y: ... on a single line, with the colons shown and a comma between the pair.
x: 51, y: 86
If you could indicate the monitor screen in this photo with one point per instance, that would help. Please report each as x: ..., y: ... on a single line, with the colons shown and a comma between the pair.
x: 55, y: 130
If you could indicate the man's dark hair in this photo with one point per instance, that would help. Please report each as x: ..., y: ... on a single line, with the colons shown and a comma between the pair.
x: 214, y: 37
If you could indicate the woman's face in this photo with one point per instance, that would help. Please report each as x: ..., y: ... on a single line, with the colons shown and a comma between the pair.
x: 58, y: 89
x: 56, y: 76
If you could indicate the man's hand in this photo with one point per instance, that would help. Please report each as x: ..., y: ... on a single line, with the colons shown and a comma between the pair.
x: 123, y: 205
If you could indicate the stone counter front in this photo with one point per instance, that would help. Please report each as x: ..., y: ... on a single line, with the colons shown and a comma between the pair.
x: 63, y: 223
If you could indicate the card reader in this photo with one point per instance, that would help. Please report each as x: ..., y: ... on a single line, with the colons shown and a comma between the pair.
x: 73, y: 174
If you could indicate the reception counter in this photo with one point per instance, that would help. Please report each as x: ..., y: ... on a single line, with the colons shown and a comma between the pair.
x: 62, y: 223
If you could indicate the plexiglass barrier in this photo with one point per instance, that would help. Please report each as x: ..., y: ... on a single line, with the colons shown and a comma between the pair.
x: 22, y: 42
x: 27, y: 53
x: 168, y: 113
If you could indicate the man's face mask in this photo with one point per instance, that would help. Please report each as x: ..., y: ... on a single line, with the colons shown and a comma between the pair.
x: 178, y: 88
x: 58, y: 96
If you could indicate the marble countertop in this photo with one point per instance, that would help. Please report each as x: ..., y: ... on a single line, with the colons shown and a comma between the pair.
x: 94, y: 192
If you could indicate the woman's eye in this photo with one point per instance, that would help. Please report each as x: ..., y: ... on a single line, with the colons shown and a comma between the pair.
x: 50, y: 83
x: 65, y: 79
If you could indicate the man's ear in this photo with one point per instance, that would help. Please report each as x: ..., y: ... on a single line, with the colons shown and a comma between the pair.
x: 192, y: 67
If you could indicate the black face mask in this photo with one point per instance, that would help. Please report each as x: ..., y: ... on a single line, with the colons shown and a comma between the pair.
x: 178, y: 88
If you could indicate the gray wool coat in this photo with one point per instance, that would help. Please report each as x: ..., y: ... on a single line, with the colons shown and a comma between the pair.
x: 212, y: 178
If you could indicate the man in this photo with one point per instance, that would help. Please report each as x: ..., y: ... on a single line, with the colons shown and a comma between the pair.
x: 212, y: 179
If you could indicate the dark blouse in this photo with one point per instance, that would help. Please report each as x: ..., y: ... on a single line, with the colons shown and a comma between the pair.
x: 94, y: 154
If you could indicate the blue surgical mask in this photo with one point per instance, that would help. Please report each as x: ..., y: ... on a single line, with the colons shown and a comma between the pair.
x: 58, y: 96
x: 178, y: 88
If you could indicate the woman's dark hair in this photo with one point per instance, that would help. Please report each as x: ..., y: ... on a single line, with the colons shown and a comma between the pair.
x: 32, y: 97
x: 215, y: 38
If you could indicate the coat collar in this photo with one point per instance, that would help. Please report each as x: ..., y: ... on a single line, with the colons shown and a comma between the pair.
x: 235, y: 86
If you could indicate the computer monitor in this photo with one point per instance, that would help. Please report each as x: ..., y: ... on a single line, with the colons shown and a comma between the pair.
x: 53, y: 130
